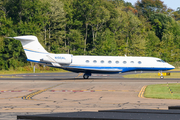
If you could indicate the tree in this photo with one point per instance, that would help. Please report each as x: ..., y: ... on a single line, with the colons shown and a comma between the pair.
x: 68, y: 9
x: 152, y: 44
x: 94, y: 27
x: 100, y: 18
x: 159, y: 23
x: 148, y: 7
x: 5, y: 25
x: 56, y: 25
x: 76, y: 40
x: 134, y: 32
x: 106, y: 44
x: 85, y: 12
x: 176, y: 14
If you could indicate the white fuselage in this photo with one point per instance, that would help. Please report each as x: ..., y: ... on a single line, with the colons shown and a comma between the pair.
x: 122, y: 63
x: 89, y: 64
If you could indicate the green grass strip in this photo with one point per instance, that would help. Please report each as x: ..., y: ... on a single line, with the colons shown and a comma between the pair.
x: 3, y: 72
x: 163, y: 91
x: 151, y: 75
x: 176, y: 69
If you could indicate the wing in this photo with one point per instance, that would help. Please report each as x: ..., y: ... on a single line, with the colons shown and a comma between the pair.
x: 94, y: 69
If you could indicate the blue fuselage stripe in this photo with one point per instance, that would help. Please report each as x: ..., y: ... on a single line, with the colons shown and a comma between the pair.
x: 124, y: 69
x: 35, y: 51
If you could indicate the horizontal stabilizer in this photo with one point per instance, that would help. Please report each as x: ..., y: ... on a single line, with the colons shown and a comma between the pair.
x: 24, y: 38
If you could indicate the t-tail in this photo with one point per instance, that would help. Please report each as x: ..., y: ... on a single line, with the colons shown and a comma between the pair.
x: 33, y: 49
x: 36, y: 53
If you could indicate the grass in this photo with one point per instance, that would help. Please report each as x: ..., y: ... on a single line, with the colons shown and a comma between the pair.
x: 176, y: 69
x: 4, y: 72
x: 28, y: 69
x: 151, y: 75
x: 162, y: 91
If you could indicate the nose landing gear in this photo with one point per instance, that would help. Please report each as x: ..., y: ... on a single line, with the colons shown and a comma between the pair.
x: 161, y: 75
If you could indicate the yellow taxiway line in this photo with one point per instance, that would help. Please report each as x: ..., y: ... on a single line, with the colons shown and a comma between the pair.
x: 10, y: 77
x: 29, y: 96
x: 27, y: 108
x: 141, y: 93
x: 80, y: 74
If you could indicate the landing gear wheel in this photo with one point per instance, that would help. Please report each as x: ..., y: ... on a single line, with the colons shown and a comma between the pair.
x: 85, y: 76
x: 162, y: 77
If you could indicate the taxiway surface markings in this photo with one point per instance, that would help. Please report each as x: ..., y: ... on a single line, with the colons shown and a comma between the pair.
x: 141, y: 93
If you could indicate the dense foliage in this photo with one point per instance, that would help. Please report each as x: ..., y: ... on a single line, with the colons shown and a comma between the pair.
x: 90, y: 27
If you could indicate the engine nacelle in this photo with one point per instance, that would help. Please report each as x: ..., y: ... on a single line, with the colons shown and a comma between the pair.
x: 58, y: 58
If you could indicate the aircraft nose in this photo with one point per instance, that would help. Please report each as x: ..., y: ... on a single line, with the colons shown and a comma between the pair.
x: 171, y: 66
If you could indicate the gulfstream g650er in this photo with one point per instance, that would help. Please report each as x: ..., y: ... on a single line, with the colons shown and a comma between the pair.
x: 89, y: 64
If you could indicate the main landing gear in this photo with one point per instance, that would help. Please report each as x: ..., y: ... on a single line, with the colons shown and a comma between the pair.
x: 86, y: 75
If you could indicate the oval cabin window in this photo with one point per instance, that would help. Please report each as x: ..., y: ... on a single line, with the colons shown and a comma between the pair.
x: 132, y: 61
x: 87, y: 61
x: 139, y: 62
x: 94, y: 61
x: 109, y: 62
x: 117, y: 62
x: 124, y: 62
x: 102, y: 61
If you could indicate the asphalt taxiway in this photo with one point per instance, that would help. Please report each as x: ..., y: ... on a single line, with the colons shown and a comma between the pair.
x: 69, y: 92
x: 73, y: 76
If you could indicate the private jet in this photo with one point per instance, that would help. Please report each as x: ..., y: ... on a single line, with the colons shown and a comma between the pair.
x: 89, y: 64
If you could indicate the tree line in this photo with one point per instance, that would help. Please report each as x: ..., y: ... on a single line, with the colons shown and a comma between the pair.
x: 90, y: 27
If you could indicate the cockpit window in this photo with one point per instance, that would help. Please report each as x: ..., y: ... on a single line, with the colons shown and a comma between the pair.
x: 160, y: 61
x: 163, y: 61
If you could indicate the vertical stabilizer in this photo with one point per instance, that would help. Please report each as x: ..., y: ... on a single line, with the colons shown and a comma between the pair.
x: 33, y: 49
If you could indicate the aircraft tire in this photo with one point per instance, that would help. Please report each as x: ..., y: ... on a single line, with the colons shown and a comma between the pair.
x: 85, y: 76
x: 162, y: 77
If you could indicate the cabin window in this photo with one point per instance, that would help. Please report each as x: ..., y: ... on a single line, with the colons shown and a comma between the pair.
x: 132, y: 62
x: 139, y: 62
x: 94, y: 61
x: 109, y: 62
x: 117, y: 62
x: 124, y: 62
x: 87, y: 61
x: 102, y: 61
